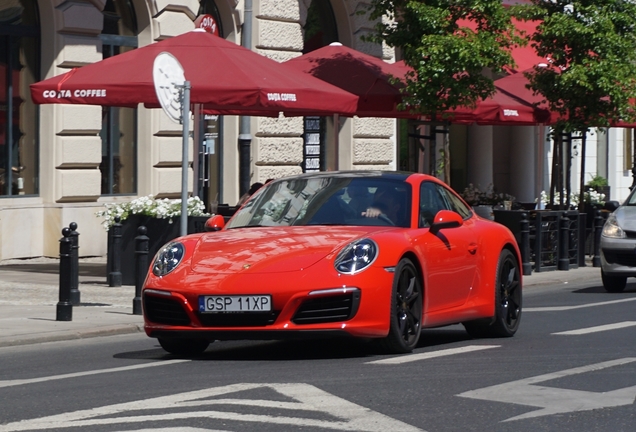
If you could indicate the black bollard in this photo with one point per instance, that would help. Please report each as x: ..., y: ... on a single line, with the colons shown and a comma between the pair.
x: 64, y: 310
x: 114, y: 277
x: 524, y: 228
x: 564, y: 245
x: 141, y: 266
x: 74, y: 236
x: 598, y: 229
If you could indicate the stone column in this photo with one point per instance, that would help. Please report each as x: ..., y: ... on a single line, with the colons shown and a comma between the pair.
x: 480, y: 156
x: 522, y: 163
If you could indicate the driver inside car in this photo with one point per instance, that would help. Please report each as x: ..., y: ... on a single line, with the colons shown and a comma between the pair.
x: 385, y: 202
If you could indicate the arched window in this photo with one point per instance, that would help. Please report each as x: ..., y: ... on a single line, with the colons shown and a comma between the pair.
x: 321, y: 28
x: 119, y: 125
x: 19, y: 67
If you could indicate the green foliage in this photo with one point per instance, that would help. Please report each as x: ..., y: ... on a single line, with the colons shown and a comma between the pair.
x: 597, y: 181
x: 447, y: 57
x: 591, y: 45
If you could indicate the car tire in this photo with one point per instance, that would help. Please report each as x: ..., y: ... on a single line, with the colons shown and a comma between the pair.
x: 406, y: 310
x: 613, y: 284
x: 508, y: 299
x: 185, y: 347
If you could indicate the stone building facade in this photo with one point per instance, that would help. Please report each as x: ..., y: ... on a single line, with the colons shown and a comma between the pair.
x: 76, y: 166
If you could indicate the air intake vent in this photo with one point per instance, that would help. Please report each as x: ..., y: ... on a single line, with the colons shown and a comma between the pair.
x: 238, y: 319
x: 165, y: 311
x: 327, y: 309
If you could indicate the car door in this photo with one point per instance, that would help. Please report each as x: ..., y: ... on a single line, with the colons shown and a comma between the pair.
x: 449, y: 255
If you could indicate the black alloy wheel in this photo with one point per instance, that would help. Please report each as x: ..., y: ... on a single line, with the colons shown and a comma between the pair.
x: 406, y: 310
x: 184, y: 347
x: 508, y: 300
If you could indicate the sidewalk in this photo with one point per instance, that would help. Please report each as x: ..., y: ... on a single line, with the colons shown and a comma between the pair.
x: 29, y: 291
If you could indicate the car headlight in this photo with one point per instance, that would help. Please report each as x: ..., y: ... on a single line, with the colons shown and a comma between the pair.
x: 356, y: 256
x: 168, y: 258
x: 612, y: 229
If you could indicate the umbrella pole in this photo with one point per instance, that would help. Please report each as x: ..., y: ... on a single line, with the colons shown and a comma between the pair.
x: 185, y: 120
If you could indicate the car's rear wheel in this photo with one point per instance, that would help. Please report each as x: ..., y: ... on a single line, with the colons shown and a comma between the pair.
x: 507, y: 302
x: 406, y: 310
x: 613, y: 284
x: 185, y: 347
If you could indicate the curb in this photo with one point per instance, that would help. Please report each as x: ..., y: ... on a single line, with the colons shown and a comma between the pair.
x: 61, y: 336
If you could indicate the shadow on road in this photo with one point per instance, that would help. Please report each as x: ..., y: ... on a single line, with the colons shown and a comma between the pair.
x: 315, y: 349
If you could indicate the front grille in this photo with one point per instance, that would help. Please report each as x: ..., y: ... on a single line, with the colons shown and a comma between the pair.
x: 163, y: 310
x: 238, y: 319
x: 623, y: 258
x: 327, y: 309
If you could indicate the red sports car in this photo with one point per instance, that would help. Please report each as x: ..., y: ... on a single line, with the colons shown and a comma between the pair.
x: 368, y: 254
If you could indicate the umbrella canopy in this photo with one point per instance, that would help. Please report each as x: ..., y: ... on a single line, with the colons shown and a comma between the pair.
x: 225, y: 77
x: 366, y: 76
x: 501, y: 109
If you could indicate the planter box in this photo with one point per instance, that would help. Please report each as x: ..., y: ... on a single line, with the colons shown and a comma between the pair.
x: 159, y: 232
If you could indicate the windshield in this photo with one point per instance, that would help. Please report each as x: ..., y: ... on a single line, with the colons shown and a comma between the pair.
x: 328, y: 201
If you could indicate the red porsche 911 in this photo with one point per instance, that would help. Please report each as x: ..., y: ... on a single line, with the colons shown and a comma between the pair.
x: 368, y: 254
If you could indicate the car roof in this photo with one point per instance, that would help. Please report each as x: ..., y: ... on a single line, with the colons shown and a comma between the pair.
x: 396, y: 175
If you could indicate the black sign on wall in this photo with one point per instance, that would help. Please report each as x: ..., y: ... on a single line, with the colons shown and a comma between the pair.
x: 313, y: 146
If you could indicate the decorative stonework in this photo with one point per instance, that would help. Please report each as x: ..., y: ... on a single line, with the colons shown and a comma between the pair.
x: 283, y: 10
x: 283, y: 126
x: 78, y: 120
x: 278, y: 151
x: 279, y: 35
x: 371, y: 127
x: 79, y: 51
x: 263, y: 173
x: 80, y: 18
x: 78, y: 151
x: 372, y: 151
x: 279, y: 56
x: 77, y: 185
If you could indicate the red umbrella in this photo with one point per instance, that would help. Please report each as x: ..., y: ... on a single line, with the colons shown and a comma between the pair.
x: 225, y: 77
x: 366, y: 76
x: 501, y: 109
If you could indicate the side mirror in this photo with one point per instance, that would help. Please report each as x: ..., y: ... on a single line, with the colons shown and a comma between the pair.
x: 446, y: 219
x: 215, y: 223
x: 611, y: 205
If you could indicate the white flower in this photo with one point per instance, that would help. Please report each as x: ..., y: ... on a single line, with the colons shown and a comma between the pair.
x: 150, y: 206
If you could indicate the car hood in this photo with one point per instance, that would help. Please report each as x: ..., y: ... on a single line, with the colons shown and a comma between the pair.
x: 271, y: 249
x: 626, y: 217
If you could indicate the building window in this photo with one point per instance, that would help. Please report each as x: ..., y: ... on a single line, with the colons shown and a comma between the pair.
x: 119, y: 125
x: 321, y: 27
x: 19, y: 68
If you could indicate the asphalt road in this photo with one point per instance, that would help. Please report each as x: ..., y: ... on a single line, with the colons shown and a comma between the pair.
x: 571, y: 367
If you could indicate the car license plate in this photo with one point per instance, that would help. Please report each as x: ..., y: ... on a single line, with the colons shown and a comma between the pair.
x: 245, y: 303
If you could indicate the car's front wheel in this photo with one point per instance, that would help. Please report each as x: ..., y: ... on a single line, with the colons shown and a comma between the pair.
x: 185, y: 347
x: 406, y: 310
x: 507, y: 302
x: 613, y: 284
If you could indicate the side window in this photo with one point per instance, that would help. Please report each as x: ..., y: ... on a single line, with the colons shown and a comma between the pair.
x: 455, y: 203
x: 431, y: 201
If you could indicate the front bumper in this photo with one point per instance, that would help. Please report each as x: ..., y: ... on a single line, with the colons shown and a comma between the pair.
x: 303, y: 306
x: 618, y: 256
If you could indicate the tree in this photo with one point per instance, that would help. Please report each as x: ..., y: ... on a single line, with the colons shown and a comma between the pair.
x: 590, y: 81
x: 449, y: 45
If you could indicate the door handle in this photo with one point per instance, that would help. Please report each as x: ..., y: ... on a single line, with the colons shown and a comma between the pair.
x: 472, y: 248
